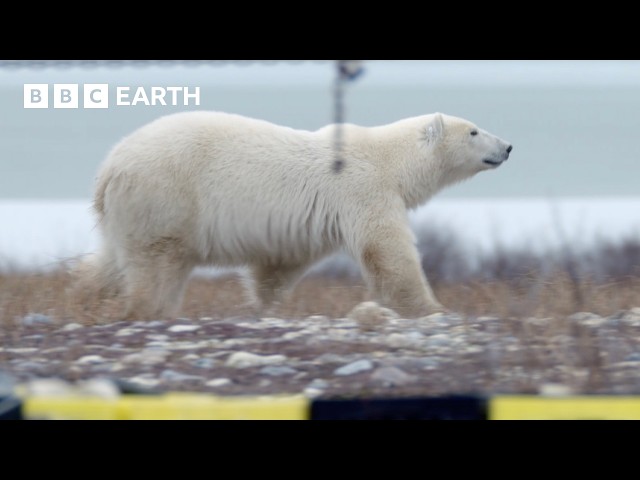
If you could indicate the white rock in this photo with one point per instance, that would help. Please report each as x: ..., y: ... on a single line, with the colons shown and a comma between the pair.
x: 188, y: 345
x: 183, y: 328
x: 247, y: 359
x: 342, y: 334
x: 204, y: 363
x: 125, y: 332
x: 21, y: 350
x: 70, y: 327
x: 155, y: 323
x: 218, y: 382
x: 392, y: 376
x: 354, y: 367
x: 588, y: 319
x: 439, y: 340
x: 370, y: 315
x: 401, y: 340
x: 98, y: 387
x: 277, y: 371
x: 90, y: 360
x: 632, y: 317
x: 158, y: 337
x: 173, y: 376
x: 555, y: 390
x: 36, y: 319
x: 46, y: 387
x: 144, y: 380
x: 311, y: 392
x: 148, y: 356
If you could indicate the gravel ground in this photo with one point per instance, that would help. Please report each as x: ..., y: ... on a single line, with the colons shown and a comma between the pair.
x: 370, y: 352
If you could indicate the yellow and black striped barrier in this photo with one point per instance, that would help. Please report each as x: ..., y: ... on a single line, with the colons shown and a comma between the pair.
x: 188, y: 406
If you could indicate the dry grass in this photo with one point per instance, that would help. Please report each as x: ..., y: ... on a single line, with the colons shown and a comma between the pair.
x: 504, y: 283
x: 535, y: 296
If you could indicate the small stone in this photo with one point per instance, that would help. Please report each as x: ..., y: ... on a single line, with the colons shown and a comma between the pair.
x: 342, y: 334
x: 206, y: 319
x: 392, y: 377
x: 144, y: 380
x: 173, y: 376
x: 158, y: 337
x: 218, y: 382
x: 183, y: 328
x: 45, y: 387
x: 90, y: 360
x: 102, y: 367
x: 318, y: 383
x: 156, y: 324
x: 246, y: 359
x: 34, y: 319
x: 400, y: 340
x: 70, y: 327
x: 148, y: 356
x: 125, y: 332
x: 187, y: 345
x: 21, y: 350
x: 315, y: 388
x: 588, y: 319
x: 30, y: 366
x: 438, y: 340
x: 311, y: 392
x: 370, y: 315
x: 189, y: 357
x: 354, y: 367
x: 99, y: 387
x: 204, y: 363
x: 294, y: 335
x: 276, y: 371
x: 157, y: 344
x: 555, y: 390
x: 631, y: 317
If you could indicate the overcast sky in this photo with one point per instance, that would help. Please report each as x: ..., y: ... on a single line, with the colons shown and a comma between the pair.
x: 377, y: 73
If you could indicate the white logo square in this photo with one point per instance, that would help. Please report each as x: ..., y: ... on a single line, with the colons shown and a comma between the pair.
x: 36, y: 95
x: 65, y: 95
x: 96, y: 95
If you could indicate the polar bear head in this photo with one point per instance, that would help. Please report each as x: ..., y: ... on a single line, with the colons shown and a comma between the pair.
x: 460, y: 149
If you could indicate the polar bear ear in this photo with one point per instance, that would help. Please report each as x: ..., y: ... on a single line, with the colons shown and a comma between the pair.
x: 435, y: 128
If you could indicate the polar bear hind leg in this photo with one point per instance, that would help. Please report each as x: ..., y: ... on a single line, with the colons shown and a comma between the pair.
x: 155, y: 278
x: 270, y: 284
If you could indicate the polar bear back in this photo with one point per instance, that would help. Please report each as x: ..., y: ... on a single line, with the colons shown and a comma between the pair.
x: 233, y: 189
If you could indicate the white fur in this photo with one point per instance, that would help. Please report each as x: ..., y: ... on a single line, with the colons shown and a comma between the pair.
x: 207, y: 188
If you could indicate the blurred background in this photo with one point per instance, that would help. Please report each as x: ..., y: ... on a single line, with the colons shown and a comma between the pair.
x: 571, y: 181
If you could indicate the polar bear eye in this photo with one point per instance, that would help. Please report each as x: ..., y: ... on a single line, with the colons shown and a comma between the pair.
x: 473, y: 132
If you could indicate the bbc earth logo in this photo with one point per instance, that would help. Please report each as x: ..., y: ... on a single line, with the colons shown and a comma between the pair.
x: 96, y: 95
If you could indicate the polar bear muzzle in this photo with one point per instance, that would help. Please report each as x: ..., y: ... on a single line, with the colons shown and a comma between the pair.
x: 496, y: 162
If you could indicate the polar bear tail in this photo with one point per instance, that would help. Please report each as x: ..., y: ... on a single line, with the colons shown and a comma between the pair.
x: 100, y: 193
x: 96, y: 276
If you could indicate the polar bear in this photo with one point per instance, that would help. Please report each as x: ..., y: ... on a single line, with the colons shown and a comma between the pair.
x: 211, y: 188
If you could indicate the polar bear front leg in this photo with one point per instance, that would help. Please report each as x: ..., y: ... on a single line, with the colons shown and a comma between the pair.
x: 394, y: 275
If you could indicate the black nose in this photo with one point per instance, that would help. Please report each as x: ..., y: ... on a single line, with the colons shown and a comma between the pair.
x: 509, y: 148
